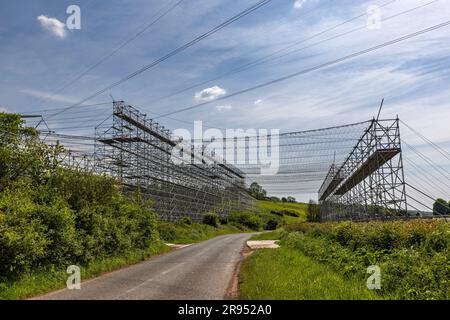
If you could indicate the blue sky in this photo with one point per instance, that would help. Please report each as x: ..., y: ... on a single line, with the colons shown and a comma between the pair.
x: 412, y: 76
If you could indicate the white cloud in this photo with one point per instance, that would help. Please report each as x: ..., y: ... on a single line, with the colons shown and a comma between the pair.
x: 298, y: 4
x: 258, y: 102
x: 3, y: 109
x: 209, y: 94
x: 49, y: 96
x: 223, y: 108
x: 56, y: 27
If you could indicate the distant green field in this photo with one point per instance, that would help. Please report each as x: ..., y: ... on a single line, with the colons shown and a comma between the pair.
x: 300, y: 208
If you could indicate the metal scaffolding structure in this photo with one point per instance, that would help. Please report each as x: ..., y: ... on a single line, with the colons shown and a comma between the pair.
x: 370, y: 182
x: 355, y: 170
x: 142, y: 154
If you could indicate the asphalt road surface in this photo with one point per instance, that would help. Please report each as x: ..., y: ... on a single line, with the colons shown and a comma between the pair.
x: 200, y: 271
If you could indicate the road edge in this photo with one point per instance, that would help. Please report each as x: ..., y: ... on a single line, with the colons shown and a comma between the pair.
x: 232, y: 291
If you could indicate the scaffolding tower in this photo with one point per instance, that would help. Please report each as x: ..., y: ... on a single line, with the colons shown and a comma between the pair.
x: 369, y: 184
x: 140, y: 153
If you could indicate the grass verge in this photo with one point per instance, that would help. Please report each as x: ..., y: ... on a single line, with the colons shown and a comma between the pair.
x: 271, y: 235
x: 286, y: 274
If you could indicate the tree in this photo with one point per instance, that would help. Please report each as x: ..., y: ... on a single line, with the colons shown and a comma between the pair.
x: 211, y: 219
x: 441, y: 207
x: 284, y: 199
x: 22, y: 153
x: 257, y: 192
x: 291, y: 199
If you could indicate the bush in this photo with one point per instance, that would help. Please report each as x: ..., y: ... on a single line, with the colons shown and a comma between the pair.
x: 290, y: 213
x: 223, y: 220
x: 22, y: 154
x: 211, y: 219
x: 413, y: 255
x: 271, y: 225
x: 441, y: 207
x: 52, y: 217
x: 34, y: 234
x: 167, y: 231
x: 23, y: 240
x: 247, y: 220
x: 186, y: 221
x: 82, y: 189
x: 41, y: 227
x: 381, y: 235
x: 277, y: 213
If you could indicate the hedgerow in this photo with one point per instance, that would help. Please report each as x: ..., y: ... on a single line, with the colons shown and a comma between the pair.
x: 42, y: 226
x: 52, y: 217
x: 413, y: 256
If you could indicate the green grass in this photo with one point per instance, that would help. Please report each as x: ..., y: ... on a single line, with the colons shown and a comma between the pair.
x: 286, y: 274
x: 40, y: 282
x: 300, y: 208
x: 271, y: 235
x: 413, y: 255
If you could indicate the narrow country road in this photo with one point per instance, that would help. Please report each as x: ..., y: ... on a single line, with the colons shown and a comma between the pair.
x: 200, y: 271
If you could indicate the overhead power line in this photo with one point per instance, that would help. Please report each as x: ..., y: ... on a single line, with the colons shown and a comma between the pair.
x: 318, y: 67
x: 435, y: 146
x: 172, y: 53
x: 275, y: 54
x: 427, y: 195
x: 427, y: 159
x: 158, y: 16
